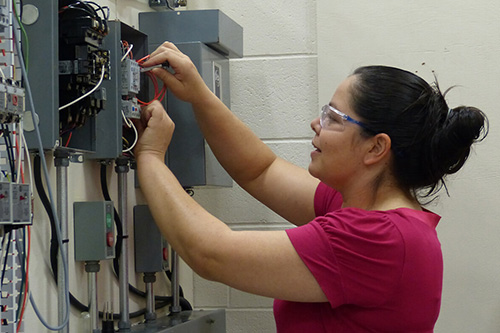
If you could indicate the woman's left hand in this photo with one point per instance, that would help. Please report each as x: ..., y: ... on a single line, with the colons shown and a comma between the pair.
x: 155, y: 130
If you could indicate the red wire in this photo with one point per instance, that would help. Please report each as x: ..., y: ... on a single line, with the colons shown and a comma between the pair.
x: 27, y: 275
x: 140, y: 61
x: 159, y: 95
x: 69, y: 139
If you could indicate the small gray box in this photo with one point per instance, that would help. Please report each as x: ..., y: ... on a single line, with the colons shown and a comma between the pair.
x: 93, y: 230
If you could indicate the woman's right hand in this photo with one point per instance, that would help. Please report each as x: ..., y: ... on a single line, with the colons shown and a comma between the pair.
x: 185, y: 82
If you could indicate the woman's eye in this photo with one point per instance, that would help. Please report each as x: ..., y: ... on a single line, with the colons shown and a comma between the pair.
x: 333, y: 118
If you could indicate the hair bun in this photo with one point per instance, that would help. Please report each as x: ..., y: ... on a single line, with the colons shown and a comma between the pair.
x: 464, y: 125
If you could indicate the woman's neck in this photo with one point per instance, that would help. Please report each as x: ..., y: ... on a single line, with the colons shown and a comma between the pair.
x: 385, y: 197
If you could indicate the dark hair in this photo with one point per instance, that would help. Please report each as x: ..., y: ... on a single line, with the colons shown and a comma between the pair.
x: 429, y: 140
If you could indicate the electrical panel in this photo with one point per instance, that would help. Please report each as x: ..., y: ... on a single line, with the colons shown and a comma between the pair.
x: 96, y: 89
x: 93, y: 230
x: 68, y: 81
x: 151, y: 249
x: 209, y: 38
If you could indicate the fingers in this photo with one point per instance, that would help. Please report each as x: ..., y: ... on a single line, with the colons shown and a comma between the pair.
x: 162, y: 54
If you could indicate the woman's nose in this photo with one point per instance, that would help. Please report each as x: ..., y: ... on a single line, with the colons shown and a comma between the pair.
x: 315, y: 125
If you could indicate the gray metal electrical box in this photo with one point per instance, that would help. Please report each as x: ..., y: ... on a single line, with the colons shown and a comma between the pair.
x: 209, y: 38
x: 151, y: 249
x: 93, y: 230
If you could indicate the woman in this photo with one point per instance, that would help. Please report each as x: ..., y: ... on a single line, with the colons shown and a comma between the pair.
x: 365, y: 256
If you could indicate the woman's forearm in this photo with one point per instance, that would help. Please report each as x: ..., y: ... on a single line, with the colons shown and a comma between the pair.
x: 237, y: 148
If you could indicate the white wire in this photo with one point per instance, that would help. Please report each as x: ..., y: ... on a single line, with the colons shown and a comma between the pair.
x: 87, y: 93
x: 3, y: 74
x: 20, y: 150
x: 28, y: 162
x: 128, y: 51
x: 130, y: 125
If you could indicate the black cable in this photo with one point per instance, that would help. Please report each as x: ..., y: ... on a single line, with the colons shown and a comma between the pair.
x: 22, y: 288
x: 168, y: 5
x: 6, y: 257
x: 8, y: 145
x: 168, y: 273
x: 100, y: 8
x: 54, y: 246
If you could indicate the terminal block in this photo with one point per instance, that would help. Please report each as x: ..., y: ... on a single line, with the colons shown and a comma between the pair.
x: 131, y: 108
x: 12, y: 101
x: 15, y: 204
x: 131, y: 74
x: 5, y: 203
x: 21, y: 204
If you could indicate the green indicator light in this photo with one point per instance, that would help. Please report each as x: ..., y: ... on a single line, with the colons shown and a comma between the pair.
x: 108, y: 220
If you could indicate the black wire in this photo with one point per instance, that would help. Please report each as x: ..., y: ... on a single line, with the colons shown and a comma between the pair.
x: 8, y: 145
x: 101, y: 8
x: 168, y: 5
x: 6, y: 257
x: 54, y: 245
x: 20, y: 251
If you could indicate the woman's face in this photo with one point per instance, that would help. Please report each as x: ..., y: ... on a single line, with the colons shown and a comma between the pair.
x: 338, y: 155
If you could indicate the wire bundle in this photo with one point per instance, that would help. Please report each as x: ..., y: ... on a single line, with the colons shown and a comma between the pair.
x: 159, y: 94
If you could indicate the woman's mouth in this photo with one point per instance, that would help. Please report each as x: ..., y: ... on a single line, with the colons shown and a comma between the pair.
x: 317, y: 149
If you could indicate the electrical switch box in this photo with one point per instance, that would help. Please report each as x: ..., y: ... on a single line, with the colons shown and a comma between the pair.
x: 209, y: 38
x: 151, y: 249
x: 94, y: 230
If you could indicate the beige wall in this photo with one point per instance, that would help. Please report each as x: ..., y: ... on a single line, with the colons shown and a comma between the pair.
x: 295, y: 54
x: 459, y: 41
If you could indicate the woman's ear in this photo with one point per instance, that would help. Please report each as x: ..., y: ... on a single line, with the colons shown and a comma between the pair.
x: 379, y: 148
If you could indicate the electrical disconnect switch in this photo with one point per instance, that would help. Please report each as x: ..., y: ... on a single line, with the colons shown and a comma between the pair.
x: 151, y: 249
x: 94, y: 230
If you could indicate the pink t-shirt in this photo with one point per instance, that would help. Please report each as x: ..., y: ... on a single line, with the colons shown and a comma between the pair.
x: 381, y: 271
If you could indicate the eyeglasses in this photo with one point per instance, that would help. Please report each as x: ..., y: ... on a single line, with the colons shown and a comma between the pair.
x: 333, y: 119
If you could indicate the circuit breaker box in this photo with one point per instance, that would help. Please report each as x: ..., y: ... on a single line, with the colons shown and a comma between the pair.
x: 210, y: 39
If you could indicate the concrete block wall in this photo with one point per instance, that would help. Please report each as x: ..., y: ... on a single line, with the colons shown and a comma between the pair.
x: 274, y: 91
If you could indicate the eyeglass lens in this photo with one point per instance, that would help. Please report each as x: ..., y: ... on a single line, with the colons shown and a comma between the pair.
x: 330, y: 120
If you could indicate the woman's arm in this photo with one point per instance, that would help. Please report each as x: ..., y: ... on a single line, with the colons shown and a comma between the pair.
x: 263, y: 263
x: 285, y: 188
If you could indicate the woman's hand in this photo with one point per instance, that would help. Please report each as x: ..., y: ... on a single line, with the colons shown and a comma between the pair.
x: 185, y: 82
x: 155, y: 130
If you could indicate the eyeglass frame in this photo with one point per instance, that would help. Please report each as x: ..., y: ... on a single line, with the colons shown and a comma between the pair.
x: 343, y: 116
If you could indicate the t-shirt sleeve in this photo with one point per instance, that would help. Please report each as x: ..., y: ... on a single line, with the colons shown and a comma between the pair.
x: 356, y: 258
x: 326, y: 199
